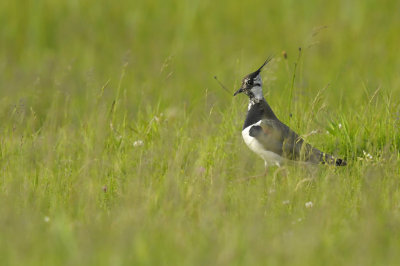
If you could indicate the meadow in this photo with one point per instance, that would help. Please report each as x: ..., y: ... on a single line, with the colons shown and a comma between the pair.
x: 118, y: 146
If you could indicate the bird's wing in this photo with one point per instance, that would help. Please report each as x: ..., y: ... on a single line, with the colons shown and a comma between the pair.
x: 280, y: 139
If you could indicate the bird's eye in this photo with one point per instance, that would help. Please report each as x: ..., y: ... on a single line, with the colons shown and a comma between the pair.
x: 249, y: 82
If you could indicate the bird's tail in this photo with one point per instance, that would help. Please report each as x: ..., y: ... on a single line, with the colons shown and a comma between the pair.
x: 340, y: 162
x: 317, y: 156
x: 329, y: 159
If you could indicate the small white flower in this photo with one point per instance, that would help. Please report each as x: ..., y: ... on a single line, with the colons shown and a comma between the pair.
x: 340, y: 125
x: 327, y: 132
x: 299, y: 220
x: 285, y: 202
x: 309, y: 204
x: 46, y: 219
x: 367, y: 155
x: 138, y: 143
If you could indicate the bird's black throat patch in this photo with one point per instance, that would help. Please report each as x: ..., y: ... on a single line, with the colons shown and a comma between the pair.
x: 257, y: 112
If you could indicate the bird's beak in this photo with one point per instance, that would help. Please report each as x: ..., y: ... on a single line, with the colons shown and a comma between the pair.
x: 238, y: 91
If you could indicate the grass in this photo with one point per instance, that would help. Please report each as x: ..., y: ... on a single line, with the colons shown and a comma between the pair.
x: 83, y: 81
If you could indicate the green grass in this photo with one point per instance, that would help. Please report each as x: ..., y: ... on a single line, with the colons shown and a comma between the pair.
x: 81, y: 81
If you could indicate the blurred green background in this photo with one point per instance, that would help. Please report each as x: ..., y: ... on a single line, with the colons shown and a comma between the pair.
x: 118, y: 146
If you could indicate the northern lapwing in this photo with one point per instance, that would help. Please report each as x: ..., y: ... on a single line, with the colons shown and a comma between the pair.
x: 268, y: 137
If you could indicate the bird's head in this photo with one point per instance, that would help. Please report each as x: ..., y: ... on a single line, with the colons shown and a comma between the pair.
x: 252, y: 83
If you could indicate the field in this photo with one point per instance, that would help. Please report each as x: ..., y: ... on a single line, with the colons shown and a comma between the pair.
x: 118, y: 146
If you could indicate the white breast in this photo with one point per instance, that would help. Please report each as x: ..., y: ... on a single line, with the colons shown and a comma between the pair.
x: 270, y: 158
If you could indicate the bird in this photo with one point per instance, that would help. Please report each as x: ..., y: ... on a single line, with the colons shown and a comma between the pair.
x: 271, y: 139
